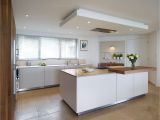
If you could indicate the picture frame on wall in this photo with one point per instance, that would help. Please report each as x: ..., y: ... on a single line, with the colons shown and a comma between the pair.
x: 84, y: 45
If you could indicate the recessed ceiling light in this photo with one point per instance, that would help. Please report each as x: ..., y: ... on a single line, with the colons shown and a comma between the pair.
x: 77, y: 27
x: 112, y: 48
x: 88, y: 22
x: 27, y: 15
x: 24, y: 27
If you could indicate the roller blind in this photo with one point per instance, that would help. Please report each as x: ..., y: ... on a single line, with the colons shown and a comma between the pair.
x: 36, y: 47
x: 68, y: 48
x: 28, y: 47
x: 49, y: 48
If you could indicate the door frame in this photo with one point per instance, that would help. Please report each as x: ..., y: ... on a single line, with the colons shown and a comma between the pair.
x: 7, y: 35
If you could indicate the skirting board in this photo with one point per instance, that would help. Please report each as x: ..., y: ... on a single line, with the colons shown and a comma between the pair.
x: 36, y: 88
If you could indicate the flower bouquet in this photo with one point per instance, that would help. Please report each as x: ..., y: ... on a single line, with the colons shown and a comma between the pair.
x: 133, y: 58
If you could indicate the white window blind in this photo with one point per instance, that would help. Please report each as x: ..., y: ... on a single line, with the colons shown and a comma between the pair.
x: 35, y: 47
x: 28, y: 47
x: 68, y: 48
x: 49, y: 48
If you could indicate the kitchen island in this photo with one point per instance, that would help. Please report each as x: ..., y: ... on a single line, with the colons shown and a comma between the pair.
x: 85, y: 92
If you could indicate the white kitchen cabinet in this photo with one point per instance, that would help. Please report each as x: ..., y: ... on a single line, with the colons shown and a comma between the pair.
x: 125, y: 86
x: 99, y: 90
x: 52, y: 75
x: 84, y: 93
x: 140, y: 83
x: 31, y: 77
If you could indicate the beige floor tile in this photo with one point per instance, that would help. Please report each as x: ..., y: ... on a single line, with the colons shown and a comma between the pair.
x: 47, y: 104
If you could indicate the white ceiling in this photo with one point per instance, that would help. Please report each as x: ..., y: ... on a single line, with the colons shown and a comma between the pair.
x: 46, y: 15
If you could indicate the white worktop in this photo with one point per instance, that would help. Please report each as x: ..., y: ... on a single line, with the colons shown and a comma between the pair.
x: 55, y: 65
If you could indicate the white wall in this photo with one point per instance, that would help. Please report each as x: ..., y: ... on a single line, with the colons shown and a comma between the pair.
x: 158, y: 59
x: 152, y: 55
x: 158, y: 51
x: 133, y: 44
x: 119, y: 46
x: 106, y: 52
x: 92, y: 55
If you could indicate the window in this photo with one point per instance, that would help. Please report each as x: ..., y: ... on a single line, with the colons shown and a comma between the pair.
x: 49, y: 48
x: 68, y: 48
x: 28, y: 47
x: 31, y: 47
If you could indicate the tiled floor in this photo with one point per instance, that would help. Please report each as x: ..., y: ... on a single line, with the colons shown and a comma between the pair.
x: 46, y: 104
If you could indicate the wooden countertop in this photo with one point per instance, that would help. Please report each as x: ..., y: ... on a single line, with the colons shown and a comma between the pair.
x: 80, y: 73
x: 122, y: 70
x: 128, y: 70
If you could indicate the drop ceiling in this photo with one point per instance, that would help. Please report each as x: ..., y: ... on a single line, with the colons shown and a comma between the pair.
x: 88, y: 20
x: 45, y: 16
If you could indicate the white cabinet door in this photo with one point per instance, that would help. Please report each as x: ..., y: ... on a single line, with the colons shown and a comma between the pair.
x: 52, y: 75
x: 31, y: 77
x: 125, y: 86
x: 140, y: 83
x: 95, y: 91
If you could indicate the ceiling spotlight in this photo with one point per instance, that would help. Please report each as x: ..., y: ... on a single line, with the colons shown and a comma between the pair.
x: 112, y: 48
x: 89, y: 22
x: 24, y: 27
x: 27, y: 15
x: 77, y: 27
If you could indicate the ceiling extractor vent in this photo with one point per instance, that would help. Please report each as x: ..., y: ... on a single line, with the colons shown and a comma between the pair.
x: 104, y: 30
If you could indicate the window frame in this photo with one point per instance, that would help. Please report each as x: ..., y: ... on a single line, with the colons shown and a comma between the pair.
x: 39, y: 47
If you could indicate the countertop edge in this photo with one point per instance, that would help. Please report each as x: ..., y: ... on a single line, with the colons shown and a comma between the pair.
x: 63, y: 65
x: 129, y: 70
x: 86, y: 74
x: 124, y: 70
